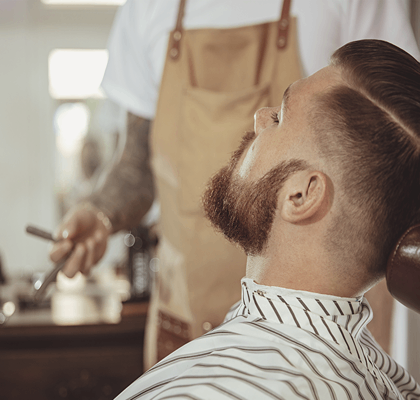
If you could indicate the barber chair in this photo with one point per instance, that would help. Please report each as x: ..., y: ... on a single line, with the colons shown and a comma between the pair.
x: 403, y: 269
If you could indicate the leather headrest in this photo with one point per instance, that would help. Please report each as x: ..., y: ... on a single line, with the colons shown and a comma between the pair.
x: 403, y: 269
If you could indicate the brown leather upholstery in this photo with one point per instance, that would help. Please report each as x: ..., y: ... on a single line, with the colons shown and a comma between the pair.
x: 403, y: 269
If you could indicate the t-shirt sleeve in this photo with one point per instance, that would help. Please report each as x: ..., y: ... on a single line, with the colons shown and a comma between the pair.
x: 326, y: 25
x: 378, y: 19
x: 128, y: 78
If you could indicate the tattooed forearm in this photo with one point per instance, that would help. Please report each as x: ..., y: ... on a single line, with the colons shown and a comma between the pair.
x: 128, y: 191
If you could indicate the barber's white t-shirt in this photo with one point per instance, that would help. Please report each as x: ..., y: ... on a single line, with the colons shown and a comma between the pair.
x: 139, y: 37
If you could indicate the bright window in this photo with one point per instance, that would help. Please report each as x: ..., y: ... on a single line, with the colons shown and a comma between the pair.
x: 84, y: 2
x: 76, y: 74
x: 71, y: 123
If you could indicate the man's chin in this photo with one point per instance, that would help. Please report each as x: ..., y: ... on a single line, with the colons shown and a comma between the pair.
x: 244, y: 211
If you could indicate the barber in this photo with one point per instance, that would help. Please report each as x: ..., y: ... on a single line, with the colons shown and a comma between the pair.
x: 223, y: 60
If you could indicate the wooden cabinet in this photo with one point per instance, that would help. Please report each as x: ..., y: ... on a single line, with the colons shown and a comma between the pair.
x: 50, y: 362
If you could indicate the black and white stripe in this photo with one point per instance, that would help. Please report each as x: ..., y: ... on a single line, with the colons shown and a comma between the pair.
x: 281, y: 344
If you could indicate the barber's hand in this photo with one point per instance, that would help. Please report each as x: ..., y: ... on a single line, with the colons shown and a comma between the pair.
x: 85, y: 229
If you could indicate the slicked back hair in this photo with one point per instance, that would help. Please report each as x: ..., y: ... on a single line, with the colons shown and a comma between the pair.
x: 371, y: 132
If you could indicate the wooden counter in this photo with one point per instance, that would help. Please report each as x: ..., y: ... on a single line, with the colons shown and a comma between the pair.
x: 47, y: 361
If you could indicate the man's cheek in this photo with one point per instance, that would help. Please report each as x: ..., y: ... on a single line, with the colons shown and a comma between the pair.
x: 246, y: 162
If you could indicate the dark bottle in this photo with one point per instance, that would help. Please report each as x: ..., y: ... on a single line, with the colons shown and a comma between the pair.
x: 141, y: 246
x: 2, y: 276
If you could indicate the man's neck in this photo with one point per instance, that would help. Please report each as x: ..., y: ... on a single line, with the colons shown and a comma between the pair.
x: 311, y: 274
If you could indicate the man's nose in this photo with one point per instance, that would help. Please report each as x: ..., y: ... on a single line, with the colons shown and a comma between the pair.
x: 263, y: 118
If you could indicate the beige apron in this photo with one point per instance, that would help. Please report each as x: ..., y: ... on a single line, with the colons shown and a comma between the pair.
x: 213, y: 82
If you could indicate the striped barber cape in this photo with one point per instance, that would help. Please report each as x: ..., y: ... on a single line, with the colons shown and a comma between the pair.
x: 281, y: 344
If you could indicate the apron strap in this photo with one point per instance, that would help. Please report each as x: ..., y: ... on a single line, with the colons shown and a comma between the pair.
x: 283, y: 25
x: 176, y: 34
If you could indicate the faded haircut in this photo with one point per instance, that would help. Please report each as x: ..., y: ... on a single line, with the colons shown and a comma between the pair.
x: 369, y: 129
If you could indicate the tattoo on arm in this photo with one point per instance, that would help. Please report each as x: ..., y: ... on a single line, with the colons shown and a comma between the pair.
x: 128, y: 190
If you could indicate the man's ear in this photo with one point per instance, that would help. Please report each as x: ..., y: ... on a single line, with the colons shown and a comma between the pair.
x: 305, y: 197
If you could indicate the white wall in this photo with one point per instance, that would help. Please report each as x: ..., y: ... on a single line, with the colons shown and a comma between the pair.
x: 29, y: 30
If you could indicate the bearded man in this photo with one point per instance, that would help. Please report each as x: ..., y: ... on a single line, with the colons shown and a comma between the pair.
x: 317, y: 197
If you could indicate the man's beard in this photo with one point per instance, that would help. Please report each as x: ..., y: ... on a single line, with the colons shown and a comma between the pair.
x: 243, y: 211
